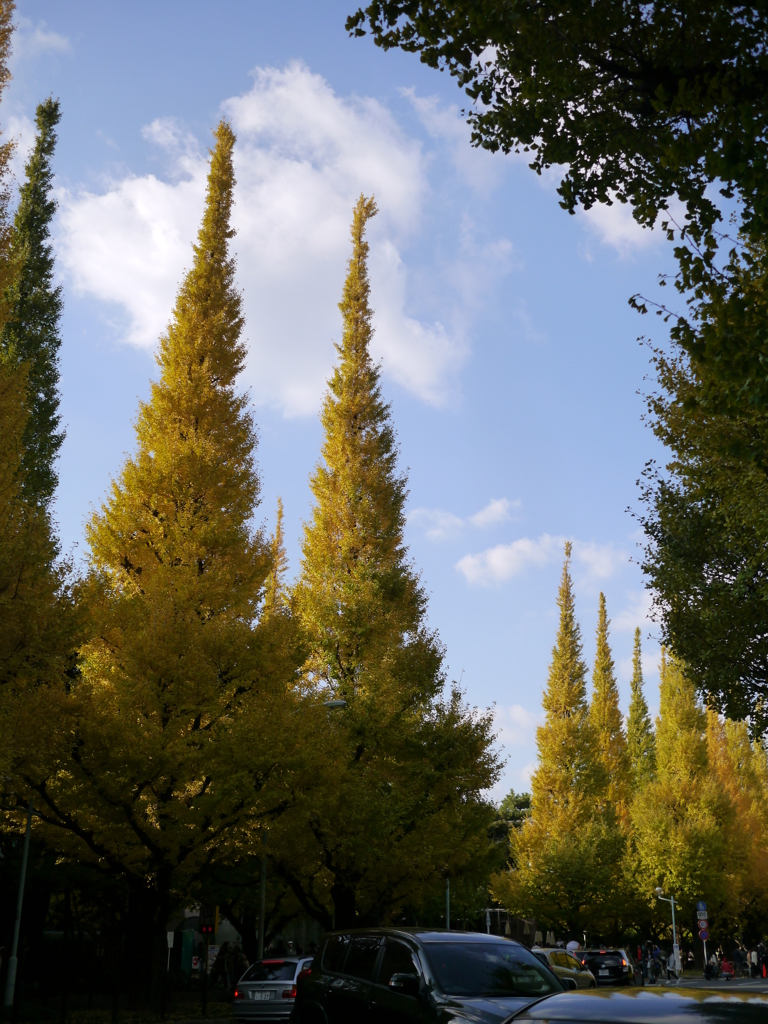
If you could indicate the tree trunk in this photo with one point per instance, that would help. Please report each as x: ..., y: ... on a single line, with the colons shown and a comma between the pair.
x: 344, y: 903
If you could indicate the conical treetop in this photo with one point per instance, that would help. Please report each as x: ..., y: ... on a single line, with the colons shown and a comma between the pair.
x: 359, y: 597
x: 641, y: 744
x: 569, y: 772
x: 275, y: 593
x: 606, y: 713
x: 185, y: 500
x: 31, y: 334
x: 681, y: 748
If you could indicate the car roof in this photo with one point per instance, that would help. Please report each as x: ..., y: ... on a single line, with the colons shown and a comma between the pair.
x: 646, y: 1006
x: 429, y: 934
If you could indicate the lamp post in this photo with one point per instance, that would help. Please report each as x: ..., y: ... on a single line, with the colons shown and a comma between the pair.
x: 675, y: 947
x: 13, y: 962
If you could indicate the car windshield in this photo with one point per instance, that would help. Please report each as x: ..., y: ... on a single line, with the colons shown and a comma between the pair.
x: 271, y: 970
x: 488, y: 969
x: 605, y: 956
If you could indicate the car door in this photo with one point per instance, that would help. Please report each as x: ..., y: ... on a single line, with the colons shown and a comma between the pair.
x: 562, y: 968
x: 398, y: 1003
x: 576, y: 971
x: 353, y: 997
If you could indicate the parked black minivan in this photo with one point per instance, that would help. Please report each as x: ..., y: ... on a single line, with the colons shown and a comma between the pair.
x: 418, y: 975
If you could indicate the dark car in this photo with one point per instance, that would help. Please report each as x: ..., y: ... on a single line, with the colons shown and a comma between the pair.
x: 416, y: 975
x: 267, y: 990
x: 647, y: 1006
x: 611, y: 966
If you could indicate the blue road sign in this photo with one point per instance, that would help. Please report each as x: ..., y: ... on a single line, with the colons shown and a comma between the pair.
x: 701, y: 905
x: 704, y: 935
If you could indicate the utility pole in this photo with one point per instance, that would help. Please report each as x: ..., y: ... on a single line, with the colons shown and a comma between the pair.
x: 13, y: 963
x: 447, y: 903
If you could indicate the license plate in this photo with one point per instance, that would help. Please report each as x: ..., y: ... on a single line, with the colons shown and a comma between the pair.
x: 605, y: 972
x: 261, y: 995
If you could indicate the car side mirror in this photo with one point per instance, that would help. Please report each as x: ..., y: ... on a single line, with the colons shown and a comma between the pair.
x: 405, y: 984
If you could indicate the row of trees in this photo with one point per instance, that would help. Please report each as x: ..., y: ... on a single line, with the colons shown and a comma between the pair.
x: 165, y: 709
x: 617, y: 812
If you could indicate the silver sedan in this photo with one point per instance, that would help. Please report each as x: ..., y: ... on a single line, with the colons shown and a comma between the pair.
x: 267, y: 990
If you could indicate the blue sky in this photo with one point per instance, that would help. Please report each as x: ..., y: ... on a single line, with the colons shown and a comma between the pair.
x: 509, y: 353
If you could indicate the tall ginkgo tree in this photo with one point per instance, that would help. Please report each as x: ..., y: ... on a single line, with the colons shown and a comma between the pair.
x: 395, y: 801
x: 169, y: 747
x: 606, y: 716
x: 35, y: 625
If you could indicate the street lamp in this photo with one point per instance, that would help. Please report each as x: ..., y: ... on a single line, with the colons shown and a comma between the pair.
x: 675, y: 947
x: 332, y: 705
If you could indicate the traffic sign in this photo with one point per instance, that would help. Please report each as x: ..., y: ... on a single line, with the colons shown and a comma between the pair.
x: 703, y: 925
x: 704, y: 935
x: 701, y: 905
x: 702, y: 915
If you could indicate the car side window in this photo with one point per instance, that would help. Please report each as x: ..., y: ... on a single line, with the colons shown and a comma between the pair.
x: 335, y: 953
x: 361, y: 959
x: 560, y: 960
x: 397, y: 959
x: 573, y: 963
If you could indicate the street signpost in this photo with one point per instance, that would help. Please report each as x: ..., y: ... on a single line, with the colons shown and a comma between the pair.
x: 209, y: 925
x: 703, y: 923
x: 170, y: 937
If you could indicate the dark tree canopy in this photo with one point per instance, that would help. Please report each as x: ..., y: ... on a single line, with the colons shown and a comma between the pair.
x: 638, y: 102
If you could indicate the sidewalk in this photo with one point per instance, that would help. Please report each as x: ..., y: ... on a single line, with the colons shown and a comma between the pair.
x: 696, y: 981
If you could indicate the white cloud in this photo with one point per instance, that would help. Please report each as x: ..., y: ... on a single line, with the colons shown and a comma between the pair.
x: 498, y: 510
x: 636, y: 613
x: 440, y: 525
x: 22, y: 131
x: 477, y: 167
x: 436, y: 523
x: 30, y: 40
x: 515, y: 725
x: 600, y: 560
x: 614, y: 225
x: 500, y: 563
x: 304, y: 155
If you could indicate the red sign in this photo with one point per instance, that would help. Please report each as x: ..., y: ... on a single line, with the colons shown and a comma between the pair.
x: 703, y: 925
x: 704, y: 935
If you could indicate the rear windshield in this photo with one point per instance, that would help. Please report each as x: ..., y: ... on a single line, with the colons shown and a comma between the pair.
x: 609, y: 956
x: 488, y: 969
x: 271, y: 970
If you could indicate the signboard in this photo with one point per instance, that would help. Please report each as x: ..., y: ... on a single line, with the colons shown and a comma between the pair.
x: 213, y: 952
x: 703, y: 923
x: 702, y: 915
x: 170, y: 937
x: 701, y: 905
x: 704, y: 935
